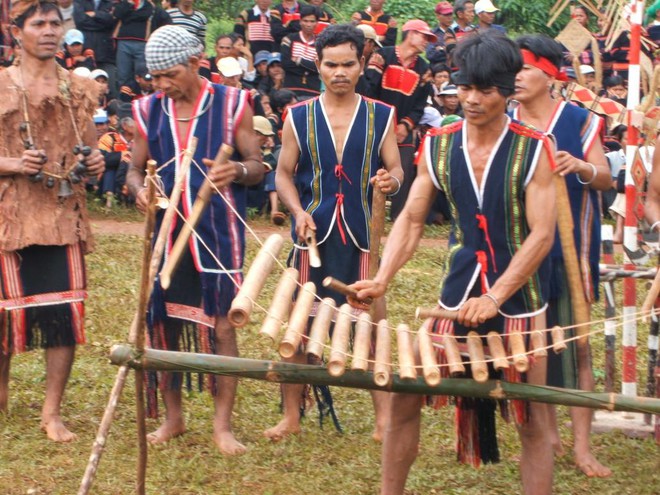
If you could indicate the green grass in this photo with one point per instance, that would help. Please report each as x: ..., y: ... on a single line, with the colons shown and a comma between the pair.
x: 320, y: 461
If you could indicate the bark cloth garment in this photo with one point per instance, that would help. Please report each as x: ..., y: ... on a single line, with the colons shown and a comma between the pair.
x: 337, y: 195
x: 490, y: 227
x: 183, y: 317
x: 43, y: 237
x: 575, y: 130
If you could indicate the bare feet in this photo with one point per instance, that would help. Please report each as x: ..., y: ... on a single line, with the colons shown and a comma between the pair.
x: 168, y: 430
x: 558, y: 448
x: 227, y: 443
x: 590, y: 466
x: 283, y: 429
x: 56, y: 431
x: 379, y: 433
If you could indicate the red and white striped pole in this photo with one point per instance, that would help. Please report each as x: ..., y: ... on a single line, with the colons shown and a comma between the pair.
x: 629, y: 341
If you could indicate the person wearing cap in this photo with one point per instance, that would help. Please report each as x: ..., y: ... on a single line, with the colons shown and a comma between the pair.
x: 588, y: 76
x: 384, y: 24
x: 485, y: 12
x: 275, y: 78
x: 450, y: 103
x: 43, y: 214
x: 580, y: 159
x: 399, y: 77
x: 229, y: 72
x: 101, y: 78
x: 101, y: 122
x: 260, y: 67
x: 74, y: 54
x: 496, y: 277
x: 203, y: 286
x: 336, y: 148
x: 270, y: 152
x: 254, y: 25
x: 142, y: 85
x: 436, y: 52
x: 371, y: 46
x: 299, y: 55
x: 115, y: 145
x: 463, y: 15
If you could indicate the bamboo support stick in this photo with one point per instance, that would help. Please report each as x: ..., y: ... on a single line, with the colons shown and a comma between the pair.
x: 539, y: 344
x: 280, y: 306
x: 430, y: 368
x: 558, y: 342
x: 343, y: 289
x: 453, y: 355
x: 382, y: 366
x: 497, y: 352
x: 517, y: 350
x: 300, y: 373
x: 362, y: 343
x: 298, y: 320
x: 318, y: 335
x: 340, y: 338
x: 407, y: 369
x: 477, y: 360
x: 253, y: 284
x: 314, y: 256
x: 201, y: 202
x: 423, y: 313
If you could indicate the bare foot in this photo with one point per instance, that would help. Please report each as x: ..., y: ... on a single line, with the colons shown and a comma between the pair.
x: 283, y: 429
x: 227, y: 443
x: 56, y: 431
x: 558, y: 448
x: 378, y: 434
x: 167, y: 431
x: 590, y: 466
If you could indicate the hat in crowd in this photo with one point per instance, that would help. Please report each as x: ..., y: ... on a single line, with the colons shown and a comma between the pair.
x: 262, y: 125
x: 421, y: 27
x: 275, y: 57
x: 570, y: 73
x: 431, y: 117
x: 484, y: 6
x: 96, y: 73
x: 100, y: 116
x: 261, y: 56
x: 229, y: 67
x: 448, y: 90
x: 587, y: 69
x: 444, y: 8
x: 82, y: 72
x: 450, y: 119
x: 369, y: 33
x: 73, y: 36
x: 169, y: 46
x: 142, y: 71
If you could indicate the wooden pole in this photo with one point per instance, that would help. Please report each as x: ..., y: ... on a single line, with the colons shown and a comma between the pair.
x: 342, y: 288
x: 282, y: 372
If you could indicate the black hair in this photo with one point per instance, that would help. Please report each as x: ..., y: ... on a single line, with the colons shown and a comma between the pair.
x: 440, y: 67
x: 307, y: 9
x: 222, y: 36
x: 487, y: 59
x: 173, y: 3
x: 542, y: 46
x: 613, y: 81
x: 459, y: 6
x: 339, y: 34
x: 234, y: 37
x: 280, y: 98
x: 43, y: 7
x: 618, y: 131
x: 583, y: 9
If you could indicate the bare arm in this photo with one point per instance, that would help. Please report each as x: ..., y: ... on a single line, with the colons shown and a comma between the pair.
x: 601, y: 181
x: 652, y: 207
x: 390, y: 178
x: 136, y: 172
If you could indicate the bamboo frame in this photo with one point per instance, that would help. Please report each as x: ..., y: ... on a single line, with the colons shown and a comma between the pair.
x: 298, y: 320
x: 430, y: 369
x: 478, y: 364
x: 362, y: 342
x: 318, y: 334
x: 340, y: 338
x: 407, y: 369
x: 280, y: 306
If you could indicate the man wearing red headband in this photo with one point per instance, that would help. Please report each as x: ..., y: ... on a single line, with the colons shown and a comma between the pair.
x: 581, y: 161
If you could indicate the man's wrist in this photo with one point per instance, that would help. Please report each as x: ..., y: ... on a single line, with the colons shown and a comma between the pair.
x: 241, y: 173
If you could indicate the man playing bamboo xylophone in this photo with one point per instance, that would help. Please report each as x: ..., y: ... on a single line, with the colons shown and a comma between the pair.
x: 46, y: 122
x: 193, y: 310
x: 580, y: 159
x: 334, y: 146
x: 503, y: 203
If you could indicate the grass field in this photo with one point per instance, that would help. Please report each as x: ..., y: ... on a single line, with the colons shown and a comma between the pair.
x: 317, y: 462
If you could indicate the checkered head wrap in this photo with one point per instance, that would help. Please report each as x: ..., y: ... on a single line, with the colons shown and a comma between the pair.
x: 169, y: 46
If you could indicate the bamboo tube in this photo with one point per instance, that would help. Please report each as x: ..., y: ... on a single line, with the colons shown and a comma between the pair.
x: 298, y: 320
x: 407, y: 370
x: 201, y: 202
x: 318, y: 335
x: 453, y: 355
x: 153, y: 359
x: 382, y: 366
x: 340, y: 338
x: 343, y: 289
x: 423, y: 313
x: 253, y: 284
x: 517, y: 350
x: 362, y: 343
x: 427, y: 353
x: 310, y: 240
x: 558, y: 342
x: 497, y: 352
x: 477, y: 360
x: 539, y: 343
x: 280, y: 307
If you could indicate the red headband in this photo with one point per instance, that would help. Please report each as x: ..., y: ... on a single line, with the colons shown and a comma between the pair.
x: 543, y: 64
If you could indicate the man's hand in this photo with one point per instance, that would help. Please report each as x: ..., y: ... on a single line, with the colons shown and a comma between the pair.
x: 366, y: 289
x: 223, y: 174
x: 94, y: 162
x: 567, y: 164
x: 401, y: 133
x: 387, y: 183
x: 304, y: 221
x: 31, y: 162
x: 477, y: 310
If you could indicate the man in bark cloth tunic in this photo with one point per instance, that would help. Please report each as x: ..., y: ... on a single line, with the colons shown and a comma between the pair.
x: 191, y: 314
x: 581, y: 160
x: 335, y: 149
x: 44, y: 231
x: 496, y: 175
